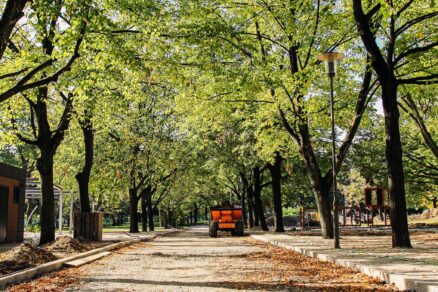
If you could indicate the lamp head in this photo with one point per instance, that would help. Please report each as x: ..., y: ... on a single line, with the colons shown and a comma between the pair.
x: 330, y: 61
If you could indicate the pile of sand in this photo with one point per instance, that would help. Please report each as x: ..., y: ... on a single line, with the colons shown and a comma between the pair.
x: 66, y: 244
x: 28, y: 254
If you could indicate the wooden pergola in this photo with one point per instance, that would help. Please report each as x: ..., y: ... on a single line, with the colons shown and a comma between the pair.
x: 33, y: 192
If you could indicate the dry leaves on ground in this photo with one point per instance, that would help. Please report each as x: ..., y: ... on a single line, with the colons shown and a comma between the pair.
x: 295, y: 270
x: 52, y: 282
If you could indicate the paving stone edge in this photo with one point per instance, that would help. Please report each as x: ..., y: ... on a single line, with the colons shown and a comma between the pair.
x: 31, y: 273
x: 402, y: 282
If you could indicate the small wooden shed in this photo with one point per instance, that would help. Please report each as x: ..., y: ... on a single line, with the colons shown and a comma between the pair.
x: 12, y: 203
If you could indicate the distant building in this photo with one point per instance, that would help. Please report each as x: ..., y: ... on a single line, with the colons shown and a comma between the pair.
x: 12, y: 203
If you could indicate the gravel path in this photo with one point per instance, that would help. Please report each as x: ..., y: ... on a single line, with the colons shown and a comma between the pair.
x: 186, y: 261
x: 191, y: 261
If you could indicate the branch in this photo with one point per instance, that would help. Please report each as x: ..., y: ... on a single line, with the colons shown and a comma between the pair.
x: 368, y: 39
x: 63, y: 122
x: 373, y: 11
x: 414, y: 21
x: 7, y: 75
x: 405, y: 7
x: 429, y: 79
x: 26, y: 140
x: 415, y: 50
x: 21, y: 86
x: 265, y: 184
x: 361, y: 103
x: 164, y: 178
x: 12, y: 13
x: 313, y: 35
x: 415, y: 115
x: 288, y: 127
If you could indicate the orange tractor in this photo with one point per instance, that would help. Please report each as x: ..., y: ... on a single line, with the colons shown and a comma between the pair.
x: 226, y: 218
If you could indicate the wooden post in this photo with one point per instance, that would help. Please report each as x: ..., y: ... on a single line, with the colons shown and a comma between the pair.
x: 60, y: 213
x: 70, y: 227
x: 89, y: 225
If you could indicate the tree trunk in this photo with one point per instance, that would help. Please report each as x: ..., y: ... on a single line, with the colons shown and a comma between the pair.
x: 255, y: 210
x: 170, y: 214
x: 322, y: 197
x: 384, y: 69
x: 275, y: 170
x: 434, y: 201
x: 150, y: 212
x: 250, y: 212
x: 393, y: 151
x: 196, y: 211
x: 242, y: 203
x: 258, y: 200
x: 83, y: 177
x: 206, y: 214
x: 144, y: 213
x: 133, y: 204
x: 47, y: 216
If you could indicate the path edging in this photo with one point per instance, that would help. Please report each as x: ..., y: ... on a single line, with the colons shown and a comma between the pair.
x: 403, y: 282
x: 31, y: 273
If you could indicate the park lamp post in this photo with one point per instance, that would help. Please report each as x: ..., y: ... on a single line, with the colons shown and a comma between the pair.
x: 330, y: 61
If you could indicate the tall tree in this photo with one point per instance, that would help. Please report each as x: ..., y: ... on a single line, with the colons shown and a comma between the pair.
x: 398, y: 49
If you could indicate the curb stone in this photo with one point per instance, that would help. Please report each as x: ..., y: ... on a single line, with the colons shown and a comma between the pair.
x: 401, y: 281
x: 31, y: 273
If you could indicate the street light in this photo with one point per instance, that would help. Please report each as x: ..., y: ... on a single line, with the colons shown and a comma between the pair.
x: 330, y: 61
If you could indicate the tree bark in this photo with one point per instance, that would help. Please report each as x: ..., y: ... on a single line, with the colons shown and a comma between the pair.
x: 275, y: 170
x: 47, y: 216
x: 170, y: 215
x: 250, y: 213
x: 434, y: 202
x: 150, y: 212
x: 258, y: 200
x: 400, y: 231
x: 12, y: 13
x: 133, y: 216
x: 255, y: 210
x: 242, y: 203
x: 83, y: 177
x: 144, y: 213
x: 196, y: 213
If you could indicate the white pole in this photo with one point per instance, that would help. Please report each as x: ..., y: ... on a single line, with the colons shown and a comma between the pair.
x: 60, y: 213
x: 70, y: 228
x: 93, y: 205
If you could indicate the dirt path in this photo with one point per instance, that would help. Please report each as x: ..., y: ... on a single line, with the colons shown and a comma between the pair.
x: 190, y: 261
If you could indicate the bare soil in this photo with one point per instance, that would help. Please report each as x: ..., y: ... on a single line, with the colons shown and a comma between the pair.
x: 191, y: 261
x: 24, y: 256
x: 27, y: 255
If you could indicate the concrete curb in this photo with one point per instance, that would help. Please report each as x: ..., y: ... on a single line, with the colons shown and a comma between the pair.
x: 31, y: 273
x: 403, y: 282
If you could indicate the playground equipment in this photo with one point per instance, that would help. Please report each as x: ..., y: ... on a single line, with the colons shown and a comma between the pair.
x: 373, y: 211
x: 226, y: 218
x: 309, y: 218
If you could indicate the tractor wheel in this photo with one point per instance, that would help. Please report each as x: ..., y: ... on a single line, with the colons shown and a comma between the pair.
x: 240, y: 228
x: 213, y: 229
